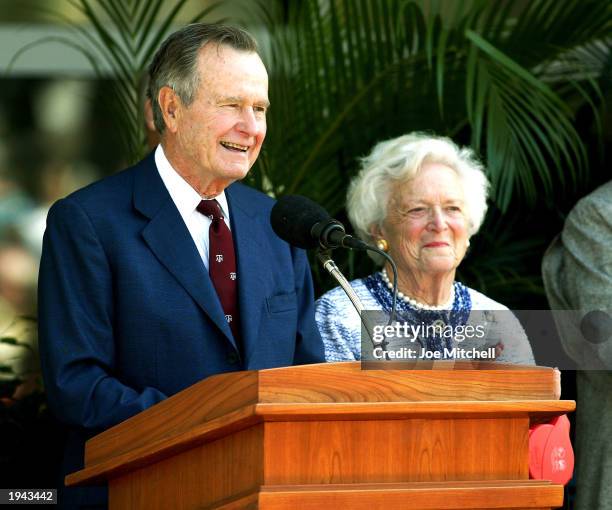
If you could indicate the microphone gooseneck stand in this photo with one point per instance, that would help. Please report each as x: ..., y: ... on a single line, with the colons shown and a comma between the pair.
x: 324, y: 256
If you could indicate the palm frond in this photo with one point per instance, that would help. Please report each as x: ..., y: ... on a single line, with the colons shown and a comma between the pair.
x: 346, y: 74
x: 506, y: 77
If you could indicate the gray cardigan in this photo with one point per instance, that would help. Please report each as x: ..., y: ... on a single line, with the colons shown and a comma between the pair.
x: 577, y: 271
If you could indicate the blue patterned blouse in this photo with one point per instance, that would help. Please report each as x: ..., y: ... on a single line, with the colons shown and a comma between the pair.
x: 340, y: 325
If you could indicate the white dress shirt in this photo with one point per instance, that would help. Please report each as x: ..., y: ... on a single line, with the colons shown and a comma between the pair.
x: 186, y: 200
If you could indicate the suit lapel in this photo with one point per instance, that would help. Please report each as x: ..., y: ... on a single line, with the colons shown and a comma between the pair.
x: 170, y: 241
x: 253, y: 268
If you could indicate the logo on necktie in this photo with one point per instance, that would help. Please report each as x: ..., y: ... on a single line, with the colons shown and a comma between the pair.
x: 219, y: 258
x: 232, y: 276
x: 228, y: 318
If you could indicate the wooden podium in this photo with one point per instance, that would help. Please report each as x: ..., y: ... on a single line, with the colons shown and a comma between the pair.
x: 337, y: 437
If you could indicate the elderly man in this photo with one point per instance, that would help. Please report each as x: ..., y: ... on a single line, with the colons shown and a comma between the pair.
x: 169, y: 271
x: 577, y: 270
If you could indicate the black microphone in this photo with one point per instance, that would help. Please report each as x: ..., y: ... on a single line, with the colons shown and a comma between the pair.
x: 596, y: 326
x: 305, y: 224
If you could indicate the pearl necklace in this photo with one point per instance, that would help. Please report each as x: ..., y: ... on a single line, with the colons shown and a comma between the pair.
x: 417, y: 304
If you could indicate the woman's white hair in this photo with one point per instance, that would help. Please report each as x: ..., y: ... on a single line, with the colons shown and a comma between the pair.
x: 396, y: 161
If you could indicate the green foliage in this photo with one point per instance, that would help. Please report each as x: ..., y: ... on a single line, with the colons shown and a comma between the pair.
x: 346, y: 74
x: 504, y: 77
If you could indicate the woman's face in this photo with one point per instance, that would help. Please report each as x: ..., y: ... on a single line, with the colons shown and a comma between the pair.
x: 426, y: 224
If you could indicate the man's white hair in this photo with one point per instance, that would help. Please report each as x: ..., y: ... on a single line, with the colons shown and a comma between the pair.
x: 396, y: 161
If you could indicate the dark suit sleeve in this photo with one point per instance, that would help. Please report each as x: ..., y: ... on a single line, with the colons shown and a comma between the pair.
x: 309, y: 346
x: 77, y: 345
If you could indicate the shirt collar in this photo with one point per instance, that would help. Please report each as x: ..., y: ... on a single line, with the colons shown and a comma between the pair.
x: 183, y: 195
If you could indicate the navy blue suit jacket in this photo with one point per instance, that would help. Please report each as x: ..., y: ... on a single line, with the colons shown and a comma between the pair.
x: 128, y: 314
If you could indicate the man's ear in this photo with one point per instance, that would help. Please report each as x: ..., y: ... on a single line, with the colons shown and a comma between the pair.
x: 170, y: 105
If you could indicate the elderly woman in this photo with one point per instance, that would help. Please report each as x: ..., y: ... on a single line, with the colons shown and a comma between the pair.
x: 420, y: 198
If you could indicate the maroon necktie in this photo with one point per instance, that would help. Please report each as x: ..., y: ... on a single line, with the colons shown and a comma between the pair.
x: 222, y: 264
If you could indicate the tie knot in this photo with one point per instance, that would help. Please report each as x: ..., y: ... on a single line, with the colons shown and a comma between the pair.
x: 210, y: 208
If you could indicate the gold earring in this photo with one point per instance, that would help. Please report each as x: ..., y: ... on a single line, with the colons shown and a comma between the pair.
x: 382, y: 245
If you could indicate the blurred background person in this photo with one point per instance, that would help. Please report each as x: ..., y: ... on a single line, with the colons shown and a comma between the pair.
x: 20, y: 373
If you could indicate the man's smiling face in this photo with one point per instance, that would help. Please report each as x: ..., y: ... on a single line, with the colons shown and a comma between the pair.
x: 221, y: 132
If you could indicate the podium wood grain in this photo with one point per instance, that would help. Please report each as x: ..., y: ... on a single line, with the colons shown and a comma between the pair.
x: 311, y: 436
x: 418, y: 496
x: 323, y: 383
